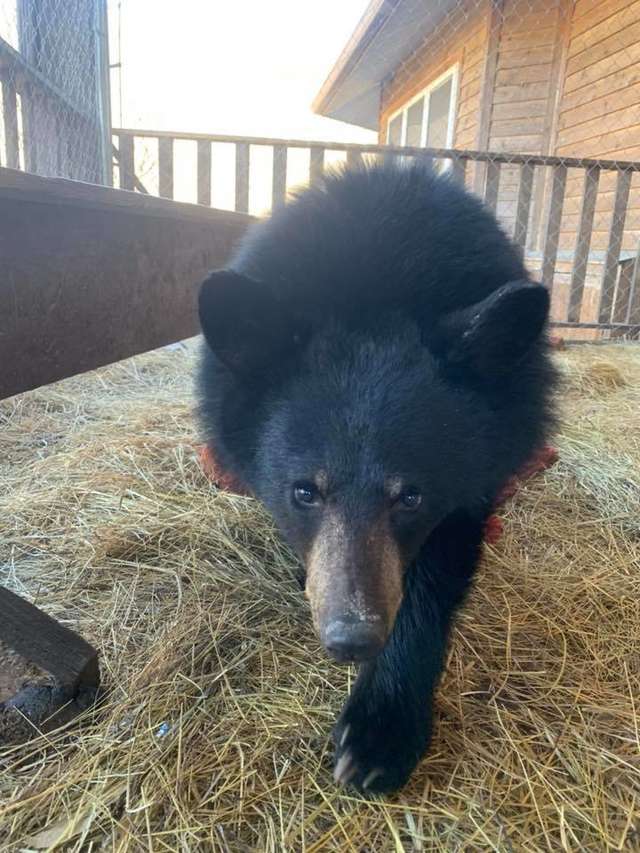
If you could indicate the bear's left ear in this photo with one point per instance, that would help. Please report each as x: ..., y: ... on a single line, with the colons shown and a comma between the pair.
x: 242, y: 322
x: 492, y: 336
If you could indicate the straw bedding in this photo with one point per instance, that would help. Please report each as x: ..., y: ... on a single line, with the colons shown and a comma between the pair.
x: 214, y: 731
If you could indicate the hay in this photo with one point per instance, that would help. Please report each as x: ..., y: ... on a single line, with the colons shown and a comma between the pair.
x: 214, y: 735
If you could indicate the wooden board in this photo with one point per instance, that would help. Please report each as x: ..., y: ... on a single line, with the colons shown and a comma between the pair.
x: 47, y: 672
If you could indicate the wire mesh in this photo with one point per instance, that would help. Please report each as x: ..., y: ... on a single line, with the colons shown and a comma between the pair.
x: 55, y: 105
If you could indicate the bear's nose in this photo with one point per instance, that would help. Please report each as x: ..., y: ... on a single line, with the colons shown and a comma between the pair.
x: 351, y: 639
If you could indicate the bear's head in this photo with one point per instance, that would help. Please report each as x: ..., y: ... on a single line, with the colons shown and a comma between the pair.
x: 362, y: 437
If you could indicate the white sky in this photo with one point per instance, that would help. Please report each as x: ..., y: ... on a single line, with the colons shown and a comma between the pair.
x: 245, y: 67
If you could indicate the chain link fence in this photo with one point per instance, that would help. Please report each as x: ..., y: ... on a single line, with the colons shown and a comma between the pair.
x: 54, y: 115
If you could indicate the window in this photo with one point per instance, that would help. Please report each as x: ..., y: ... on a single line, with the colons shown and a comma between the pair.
x: 428, y: 119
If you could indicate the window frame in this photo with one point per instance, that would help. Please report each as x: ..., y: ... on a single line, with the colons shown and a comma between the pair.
x: 452, y: 73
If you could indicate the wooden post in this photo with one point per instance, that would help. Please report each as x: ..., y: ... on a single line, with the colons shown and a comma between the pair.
x: 279, y: 185
x: 125, y: 158
x: 242, y: 177
x: 583, y: 242
x: 633, y: 306
x: 492, y: 185
x: 204, y: 172
x: 556, y: 203
x: 316, y: 164
x: 10, y: 117
x: 354, y: 158
x: 523, y: 204
x: 69, y: 666
x: 495, y: 20
x: 612, y: 258
x: 458, y: 169
x: 165, y: 167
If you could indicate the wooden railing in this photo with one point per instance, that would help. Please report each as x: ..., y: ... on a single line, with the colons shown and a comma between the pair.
x: 534, y: 205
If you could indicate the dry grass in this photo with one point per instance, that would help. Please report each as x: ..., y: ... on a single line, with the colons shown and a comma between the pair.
x: 214, y: 735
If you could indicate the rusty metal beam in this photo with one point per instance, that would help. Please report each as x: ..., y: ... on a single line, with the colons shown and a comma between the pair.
x: 91, y: 275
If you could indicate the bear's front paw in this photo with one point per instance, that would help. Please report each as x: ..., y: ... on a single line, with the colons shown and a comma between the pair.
x: 377, y: 749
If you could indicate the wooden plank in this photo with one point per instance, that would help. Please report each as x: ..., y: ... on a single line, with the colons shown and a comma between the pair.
x: 612, y: 35
x: 550, y: 131
x: 531, y: 38
x: 494, y: 25
x: 608, y: 141
x: 10, y: 117
x: 593, y: 73
x: 517, y: 145
x: 242, y: 177
x: 126, y: 161
x: 628, y: 118
x: 525, y: 126
x: 40, y: 639
x: 520, y: 76
x: 165, y: 168
x: 588, y: 14
x: 612, y: 258
x: 583, y: 242
x: 204, y: 172
x: 523, y: 92
x: 141, y: 264
x: 622, y: 291
x: 554, y: 218
x: 316, y: 163
x: 523, y: 206
x: 492, y: 184
x: 600, y: 108
x: 279, y: 186
x: 527, y: 109
x: 519, y: 57
x: 613, y: 84
x: 458, y: 169
x: 633, y: 308
x: 354, y: 159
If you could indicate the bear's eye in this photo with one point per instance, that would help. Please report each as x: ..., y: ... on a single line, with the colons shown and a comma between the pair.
x: 409, y: 500
x: 306, y: 494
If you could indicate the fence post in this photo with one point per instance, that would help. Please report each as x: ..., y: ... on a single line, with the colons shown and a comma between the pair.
x: 556, y: 203
x: 10, y: 117
x: 204, y: 172
x: 316, y: 164
x: 354, y: 158
x: 125, y: 158
x: 523, y: 205
x: 242, y: 177
x: 492, y: 185
x: 165, y: 167
x: 279, y: 183
x: 583, y: 242
x: 612, y: 258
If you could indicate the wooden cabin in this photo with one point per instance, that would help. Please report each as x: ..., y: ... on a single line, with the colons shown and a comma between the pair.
x: 538, y: 77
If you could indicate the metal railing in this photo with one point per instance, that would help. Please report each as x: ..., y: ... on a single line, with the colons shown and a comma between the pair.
x: 534, y: 211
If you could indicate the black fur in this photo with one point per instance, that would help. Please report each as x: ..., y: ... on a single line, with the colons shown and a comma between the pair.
x: 381, y: 323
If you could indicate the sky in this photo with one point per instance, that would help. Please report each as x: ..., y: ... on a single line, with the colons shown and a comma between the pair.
x: 245, y: 67
x: 237, y: 67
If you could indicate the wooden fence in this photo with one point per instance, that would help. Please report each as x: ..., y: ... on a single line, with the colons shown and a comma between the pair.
x: 591, y: 290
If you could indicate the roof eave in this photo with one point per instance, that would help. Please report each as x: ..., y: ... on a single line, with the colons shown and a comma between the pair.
x: 373, y: 20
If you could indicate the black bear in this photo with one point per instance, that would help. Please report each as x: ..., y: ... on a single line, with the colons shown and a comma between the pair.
x: 376, y: 368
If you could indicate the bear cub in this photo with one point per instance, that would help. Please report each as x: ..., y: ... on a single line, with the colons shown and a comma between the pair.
x: 375, y: 368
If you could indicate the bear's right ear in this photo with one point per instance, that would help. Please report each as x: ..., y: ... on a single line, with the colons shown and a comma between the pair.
x: 242, y: 323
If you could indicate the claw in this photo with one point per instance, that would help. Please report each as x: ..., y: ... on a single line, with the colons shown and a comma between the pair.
x: 345, y: 734
x: 345, y: 770
x: 371, y: 777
